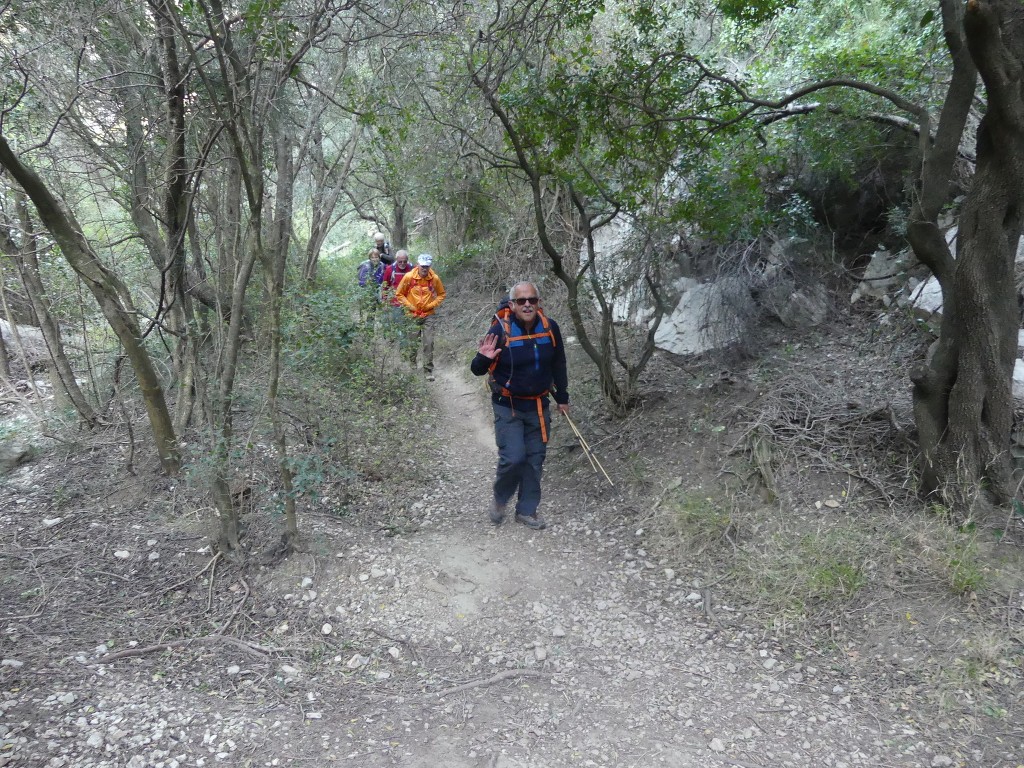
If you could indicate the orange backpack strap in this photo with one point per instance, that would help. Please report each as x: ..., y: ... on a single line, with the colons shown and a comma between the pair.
x: 544, y: 324
x: 507, y: 330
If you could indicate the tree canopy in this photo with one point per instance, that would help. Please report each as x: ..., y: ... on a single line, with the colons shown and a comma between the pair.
x: 177, y: 154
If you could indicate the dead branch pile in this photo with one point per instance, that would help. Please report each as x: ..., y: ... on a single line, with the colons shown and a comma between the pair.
x: 803, y: 426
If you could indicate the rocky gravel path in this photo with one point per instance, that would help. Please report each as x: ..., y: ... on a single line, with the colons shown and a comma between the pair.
x: 462, y: 645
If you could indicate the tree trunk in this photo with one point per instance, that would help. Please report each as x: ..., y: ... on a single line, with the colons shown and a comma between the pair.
x: 275, y: 270
x: 399, y: 227
x: 174, y: 300
x: 328, y: 184
x: 5, y: 365
x: 111, y: 294
x: 962, y: 394
x: 62, y: 375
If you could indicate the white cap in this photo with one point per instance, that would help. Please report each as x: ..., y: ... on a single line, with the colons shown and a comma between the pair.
x: 424, y: 259
x: 378, y: 235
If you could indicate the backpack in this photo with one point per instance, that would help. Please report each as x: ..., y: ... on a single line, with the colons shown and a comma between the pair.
x: 503, y: 314
x: 386, y: 257
x: 389, y: 280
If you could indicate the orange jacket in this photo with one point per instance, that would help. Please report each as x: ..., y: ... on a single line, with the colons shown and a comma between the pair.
x: 420, y: 295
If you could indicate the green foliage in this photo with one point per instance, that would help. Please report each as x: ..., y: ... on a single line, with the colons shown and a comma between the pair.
x: 320, y: 327
x: 698, y: 522
x: 753, y: 12
x: 824, y: 568
x: 835, y: 579
x: 786, y: 45
x: 265, y: 22
x: 952, y: 553
x: 469, y: 253
x: 607, y: 110
x: 963, y: 568
x: 725, y: 198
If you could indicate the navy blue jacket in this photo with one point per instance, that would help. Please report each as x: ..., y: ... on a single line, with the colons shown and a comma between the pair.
x: 528, y: 367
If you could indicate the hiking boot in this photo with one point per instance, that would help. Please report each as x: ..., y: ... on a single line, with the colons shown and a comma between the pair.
x: 533, y: 522
x: 497, y: 512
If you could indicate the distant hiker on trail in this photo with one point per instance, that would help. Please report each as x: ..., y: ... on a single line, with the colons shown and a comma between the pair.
x: 393, y: 274
x: 421, y: 293
x: 525, y: 357
x: 383, y: 248
x: 371, y: 271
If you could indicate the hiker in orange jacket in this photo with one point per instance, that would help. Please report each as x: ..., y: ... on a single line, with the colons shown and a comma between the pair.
x: 421, y: 293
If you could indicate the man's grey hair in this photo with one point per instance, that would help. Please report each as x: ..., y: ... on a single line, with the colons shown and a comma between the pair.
x: 512, y: 290
x: 401, y: 252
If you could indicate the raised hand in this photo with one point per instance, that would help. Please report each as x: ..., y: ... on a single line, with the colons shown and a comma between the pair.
x: 489, y: 346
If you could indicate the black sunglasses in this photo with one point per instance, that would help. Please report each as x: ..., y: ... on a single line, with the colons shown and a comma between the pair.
x: 526, y: 300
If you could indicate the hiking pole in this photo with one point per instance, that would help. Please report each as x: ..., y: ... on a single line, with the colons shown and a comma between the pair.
x: 594, y: 461
x: 584, y: 446
x: 583, y: 443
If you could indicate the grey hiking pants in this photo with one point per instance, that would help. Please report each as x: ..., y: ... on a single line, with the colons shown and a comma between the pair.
x: 521, y: 452
x: 420, y: 329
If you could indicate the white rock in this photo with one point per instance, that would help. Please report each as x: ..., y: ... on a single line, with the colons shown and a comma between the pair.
x: 926, y: 299
x: 326, y: 629
x: 941, y: 761
x: 307, y: 582
x: 233, y: 670
x: 66, y: 698
x: 49, y: 522
x: 394, y: 653
x: 769, y: 663
x: 540, y: 653
x: 716, y: 745
x: 558, y: 631
x: 314, y: 715
x: 670, y: 574
x: 95, y: 740
x: 1018, y: 380
x: 881, y: 274
x: 154, y: 556
x: 693, y: 597
x: 357, y: 661
x: 122, y: 554
x: 12, y: 663
x: 289, y: 671
x: 707, y: 317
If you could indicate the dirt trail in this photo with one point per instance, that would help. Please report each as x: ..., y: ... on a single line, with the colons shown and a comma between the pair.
x: 465, y: 645
x: 620, y: 666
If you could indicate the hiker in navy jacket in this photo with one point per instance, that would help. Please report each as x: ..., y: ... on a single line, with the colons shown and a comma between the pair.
x: 524, y: 356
